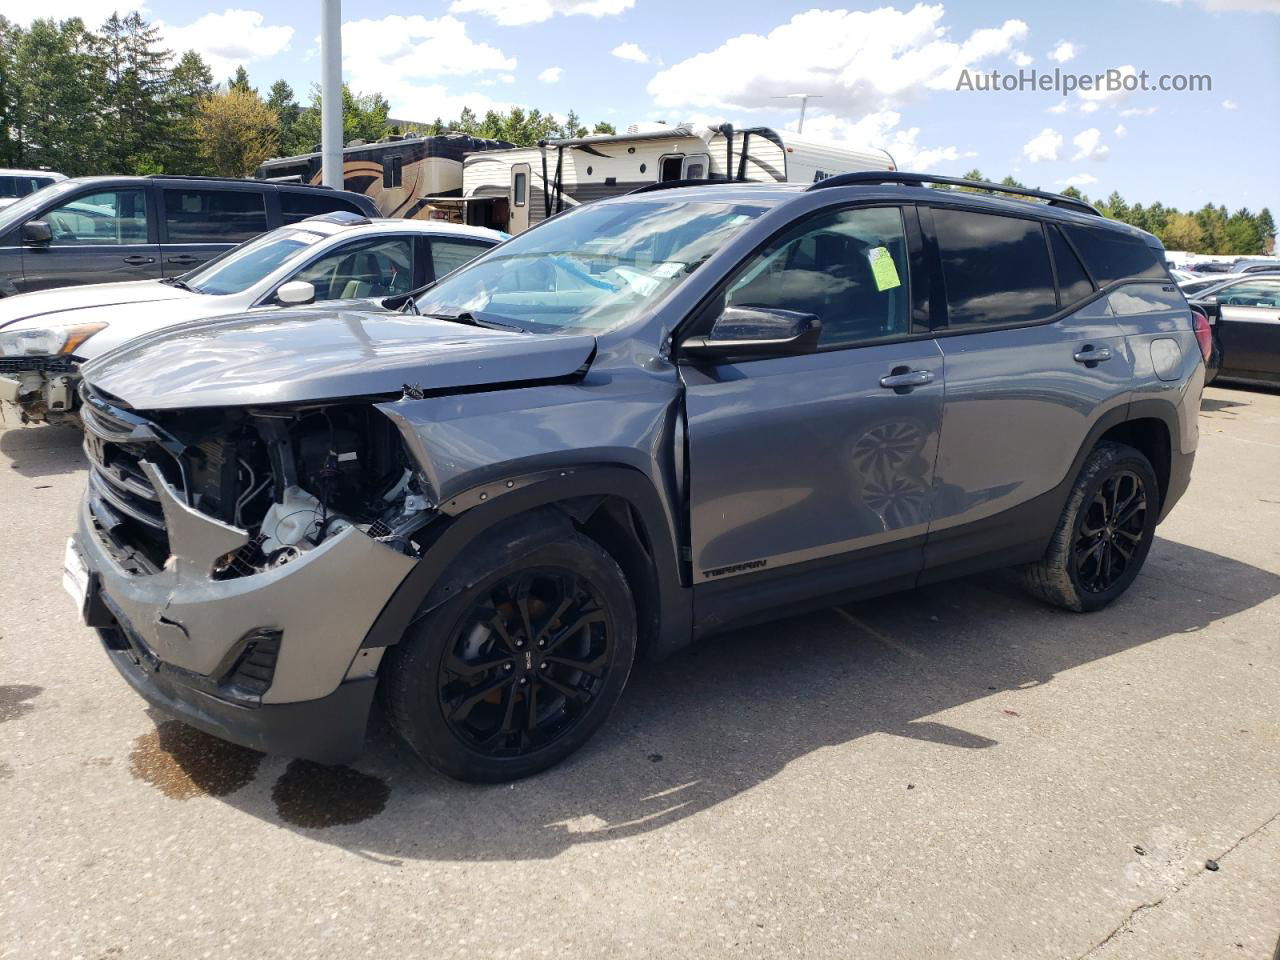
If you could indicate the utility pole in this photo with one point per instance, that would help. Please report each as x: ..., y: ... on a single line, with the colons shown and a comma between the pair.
x: 331, y: 93
x: 804, y: 99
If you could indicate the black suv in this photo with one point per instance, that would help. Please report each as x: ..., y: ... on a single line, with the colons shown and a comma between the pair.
x: 643, y: 421
x: 104, y: 229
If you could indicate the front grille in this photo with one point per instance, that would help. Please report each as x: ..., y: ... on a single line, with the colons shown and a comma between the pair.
x: 122, y: 499
x: 59, y: 364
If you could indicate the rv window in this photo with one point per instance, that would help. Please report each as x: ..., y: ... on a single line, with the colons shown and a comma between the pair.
x: 671, y: 168
x: 393, y: 172
x: 521, y: 188
x: 695, y: 171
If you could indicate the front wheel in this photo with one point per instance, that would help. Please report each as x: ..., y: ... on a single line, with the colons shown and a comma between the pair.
x: 521, y: 668
x: 1104, y: 534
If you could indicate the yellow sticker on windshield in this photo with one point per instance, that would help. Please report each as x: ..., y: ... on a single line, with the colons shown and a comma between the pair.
x: 883, y: 269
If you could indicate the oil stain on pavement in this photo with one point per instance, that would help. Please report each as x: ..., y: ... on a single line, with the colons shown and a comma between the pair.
x: 13, y: 700
x: 313, y: 795
x: 182, y: 762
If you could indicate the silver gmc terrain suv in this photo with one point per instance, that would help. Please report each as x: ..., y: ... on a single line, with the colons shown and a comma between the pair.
x: 644, y: 421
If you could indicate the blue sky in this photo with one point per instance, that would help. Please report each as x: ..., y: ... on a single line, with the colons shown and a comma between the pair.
x: 886, y: 73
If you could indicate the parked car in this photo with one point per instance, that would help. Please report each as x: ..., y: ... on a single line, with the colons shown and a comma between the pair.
x: 104, y: 229
x: 15, y: 184
x: 1204, y: 284
x: 45, y: 336
x: 1257, y: 265
x: 646, y: 420
x: 1245, y: 317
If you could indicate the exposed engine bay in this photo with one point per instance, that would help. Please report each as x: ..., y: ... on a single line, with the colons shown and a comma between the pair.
x: 292, y: 478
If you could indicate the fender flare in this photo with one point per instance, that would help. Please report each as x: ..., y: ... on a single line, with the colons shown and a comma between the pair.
x: 468, y: 516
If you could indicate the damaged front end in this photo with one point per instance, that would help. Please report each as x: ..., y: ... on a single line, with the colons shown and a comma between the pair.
x: 236, y: 558
x: 40, y: 389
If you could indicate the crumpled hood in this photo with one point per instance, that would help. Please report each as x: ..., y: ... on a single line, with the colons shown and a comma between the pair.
x: 294, y: 356
x: 64, y: 304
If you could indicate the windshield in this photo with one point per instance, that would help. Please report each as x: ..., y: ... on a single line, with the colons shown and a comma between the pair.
x: 19, y: 211
x: 590, y: 270
x: 240, y: 268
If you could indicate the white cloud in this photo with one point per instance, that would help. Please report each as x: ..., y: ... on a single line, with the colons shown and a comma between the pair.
x: 1043, y: 146
x: 396, y: 54
x: 630, y: 51
x: 550, y: 75
x: 228, y: 40
x: 1021, y: 59
x: 1230, y: 105
x: 1059, y: 107
x: 1120, y: 77
x: 507, y: 78
x: 859, y: 61
x: 881, y: 129
x: 1138, y: 111
x: 514, y: 13
x: 1064, y: 51
x: 1089, y: 106
x: 1229, y: 6
x: 92, y: 12
x: 1121, y: 131
x: 1089, y: 145
x: 1079, y: 180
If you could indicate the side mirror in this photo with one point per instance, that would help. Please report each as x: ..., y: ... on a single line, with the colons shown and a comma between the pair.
x: 295, y: 293
x: 1212, y: 298
x: 756, y: 332
x: 36, y: 232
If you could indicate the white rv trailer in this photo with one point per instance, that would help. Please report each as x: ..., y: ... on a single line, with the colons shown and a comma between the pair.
x: 513, y: 189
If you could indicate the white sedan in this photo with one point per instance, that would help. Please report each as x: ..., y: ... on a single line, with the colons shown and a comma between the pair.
x: 46, y: 335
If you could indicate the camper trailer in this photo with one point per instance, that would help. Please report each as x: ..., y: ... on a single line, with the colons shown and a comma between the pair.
x: 513, y: 189
x: 401, y: 174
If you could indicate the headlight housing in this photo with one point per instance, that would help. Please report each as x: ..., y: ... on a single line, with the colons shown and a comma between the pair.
x: 46, y: 341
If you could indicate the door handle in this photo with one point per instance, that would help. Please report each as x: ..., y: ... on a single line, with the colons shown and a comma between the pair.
x: 1090, y: 356
x: 904, y: 380
x: 137, y: 261
x: 182, y: 258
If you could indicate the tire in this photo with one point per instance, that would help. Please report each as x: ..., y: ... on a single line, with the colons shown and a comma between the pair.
x: 1084, y: 570
x: 467, y: 681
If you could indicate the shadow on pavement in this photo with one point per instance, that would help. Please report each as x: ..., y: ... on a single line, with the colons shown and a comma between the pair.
x: 42, y: 450
x: 729, y: 713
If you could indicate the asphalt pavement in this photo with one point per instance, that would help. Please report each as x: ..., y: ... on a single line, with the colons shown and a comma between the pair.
x: 954, y: 772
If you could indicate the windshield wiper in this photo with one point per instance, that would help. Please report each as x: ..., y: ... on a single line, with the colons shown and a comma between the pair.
x: 179, y: 283
x: 472, y: 320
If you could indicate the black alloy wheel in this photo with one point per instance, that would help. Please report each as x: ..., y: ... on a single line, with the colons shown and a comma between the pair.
x: 1110, y: 531
x: 525, y: 663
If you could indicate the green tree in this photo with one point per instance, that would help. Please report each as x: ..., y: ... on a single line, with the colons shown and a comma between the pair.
x: 364, y: 117
x: 190, y: 84
x: 240, y: 81
x: 287, y: 111
x: 10, y: 89
x: 1267, y: 230
x: 974, y: 174
x: 236, y: 131
x: 1182, y: 232
x: 603, y: 128
x: 136, y: 74
x: 61, y: 98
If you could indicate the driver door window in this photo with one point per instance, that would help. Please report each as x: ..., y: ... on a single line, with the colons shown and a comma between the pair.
x: 849, y: 269
x: 377, y: 268
x: 1252, y: 293
x: 113, y: 217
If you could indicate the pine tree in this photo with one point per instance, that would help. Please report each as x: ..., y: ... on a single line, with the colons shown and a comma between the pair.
x: 10, y: 88
x: 190, y: 84
x: 240, y: 81
x: 281, y: 100
x: 137, y: 73
x: 1267, y: 231
x: 62, y: 97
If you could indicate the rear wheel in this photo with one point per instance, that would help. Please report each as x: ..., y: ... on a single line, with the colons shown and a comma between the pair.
x: 1104, y: 534
x: 523, y: 667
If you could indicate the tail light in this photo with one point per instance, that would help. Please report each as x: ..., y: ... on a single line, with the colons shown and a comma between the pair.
x: 1204, y: 332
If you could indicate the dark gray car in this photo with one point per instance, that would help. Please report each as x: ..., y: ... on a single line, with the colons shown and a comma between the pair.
x: 644, y: 421
x: 106, y: 229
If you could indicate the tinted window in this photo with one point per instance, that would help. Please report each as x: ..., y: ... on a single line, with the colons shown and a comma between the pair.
x: 448, y: 255
x: 109, y: 217
x: 367, y: 268
x: 297, y: 205
x: 393, y: 172
x: 214, y: 216
x: 1111, y: 255
x: 20, y: 186
x: 996, y: 268
x: 849, y: 269
x: 521, y: 187
x: 1251, y: 293
x: 1073, y: 282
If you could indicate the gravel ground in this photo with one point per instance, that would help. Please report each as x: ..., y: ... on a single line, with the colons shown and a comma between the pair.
x: 955, y: 772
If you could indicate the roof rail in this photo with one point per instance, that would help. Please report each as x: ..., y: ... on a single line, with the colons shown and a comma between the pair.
x: 199, y: 178
x: 672, y: 184
x: 920, y: 179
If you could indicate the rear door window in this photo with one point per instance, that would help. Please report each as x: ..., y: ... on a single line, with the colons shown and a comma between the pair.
x: 996, y: 268
x: 1073, y: 282
x: 214, y: 216
x: 297, y: 205
x: 1111, y: 255
x: 449, y: 255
